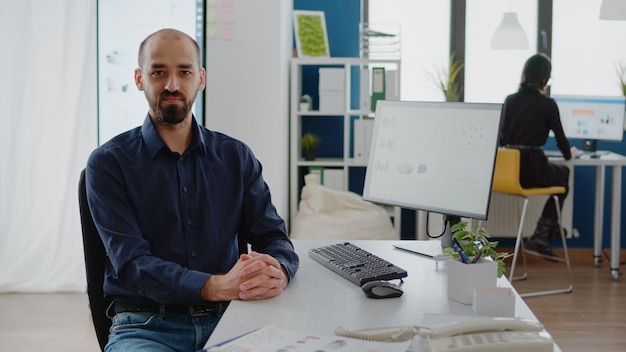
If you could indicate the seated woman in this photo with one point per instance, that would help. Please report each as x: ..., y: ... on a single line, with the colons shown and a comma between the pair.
x: 527, y: 117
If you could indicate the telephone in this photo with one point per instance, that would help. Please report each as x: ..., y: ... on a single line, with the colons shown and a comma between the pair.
x: 490, y: 334
x: 481, y: 324
x: 466, y: 334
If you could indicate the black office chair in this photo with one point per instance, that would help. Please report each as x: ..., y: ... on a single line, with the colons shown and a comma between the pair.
x: 95, y: 261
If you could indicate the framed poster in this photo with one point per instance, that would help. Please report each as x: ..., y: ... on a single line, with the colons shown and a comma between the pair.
x: 310, y: 33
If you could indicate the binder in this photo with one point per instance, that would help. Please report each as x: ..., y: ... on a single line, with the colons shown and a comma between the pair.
x: 333, y: 179
x: 363, y: 129
x: 319, y: 171
x: 378, y: 85
x: 365, y: 91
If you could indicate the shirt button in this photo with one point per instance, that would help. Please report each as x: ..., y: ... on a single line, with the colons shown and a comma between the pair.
x: 185, y: 189
x: 189, y: 222
x: 193, y: 254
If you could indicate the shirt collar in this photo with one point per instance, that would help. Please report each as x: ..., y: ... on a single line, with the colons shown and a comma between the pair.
x: 154, y: 143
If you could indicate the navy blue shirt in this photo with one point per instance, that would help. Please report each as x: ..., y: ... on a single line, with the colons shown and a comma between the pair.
x: 170, y: 221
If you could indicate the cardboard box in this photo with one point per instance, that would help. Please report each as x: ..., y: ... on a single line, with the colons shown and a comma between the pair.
x: 333, y: 102
x: 332, y: 79
x: 494, y: 301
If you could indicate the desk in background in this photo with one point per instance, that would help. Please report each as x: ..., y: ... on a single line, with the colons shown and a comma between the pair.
x: 318, y: 300
x: 615, y: 162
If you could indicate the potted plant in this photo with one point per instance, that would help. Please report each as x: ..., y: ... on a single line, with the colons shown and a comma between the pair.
x: 446, y: 79
x: 309, y: 142
x: 620, y: 69
x: 476, y: 243
x: 305, y: 102
x: 469, y: 268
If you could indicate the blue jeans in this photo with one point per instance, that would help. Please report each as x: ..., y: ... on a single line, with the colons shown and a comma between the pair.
x: 160, y: 332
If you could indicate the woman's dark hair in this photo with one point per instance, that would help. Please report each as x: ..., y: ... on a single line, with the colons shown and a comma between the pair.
x: 536, y: 72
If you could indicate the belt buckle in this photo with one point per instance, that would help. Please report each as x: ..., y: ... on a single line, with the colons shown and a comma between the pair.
x: 199, y: 311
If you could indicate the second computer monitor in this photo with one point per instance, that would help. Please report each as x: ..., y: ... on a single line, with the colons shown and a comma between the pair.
x: 433, y: 156
x: 592, y: 118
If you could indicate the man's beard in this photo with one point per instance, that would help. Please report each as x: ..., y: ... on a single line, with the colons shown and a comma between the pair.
x: 171, y: 114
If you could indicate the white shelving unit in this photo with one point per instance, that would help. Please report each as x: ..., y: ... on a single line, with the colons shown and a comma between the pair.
x: 298, y: 167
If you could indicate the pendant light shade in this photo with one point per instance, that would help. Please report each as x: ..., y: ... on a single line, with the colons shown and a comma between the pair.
x: 509, y: 34
x: 613, y: 10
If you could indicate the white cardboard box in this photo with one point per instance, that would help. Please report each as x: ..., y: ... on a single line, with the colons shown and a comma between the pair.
x: 494, y: 301
x: 331, y: 78
x: 332, y: 101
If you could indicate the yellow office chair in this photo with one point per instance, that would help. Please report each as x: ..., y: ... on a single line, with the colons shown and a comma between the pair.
x: 506, y: 181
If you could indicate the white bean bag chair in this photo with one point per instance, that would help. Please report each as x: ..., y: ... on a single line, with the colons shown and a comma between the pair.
x: 325, y: 213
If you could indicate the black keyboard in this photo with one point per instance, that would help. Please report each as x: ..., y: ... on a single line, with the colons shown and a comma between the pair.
x: 355, y: 264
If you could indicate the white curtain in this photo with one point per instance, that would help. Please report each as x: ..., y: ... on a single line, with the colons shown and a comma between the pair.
x: 48, y: 129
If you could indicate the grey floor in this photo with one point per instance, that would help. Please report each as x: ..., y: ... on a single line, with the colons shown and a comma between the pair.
x: 46, y: 322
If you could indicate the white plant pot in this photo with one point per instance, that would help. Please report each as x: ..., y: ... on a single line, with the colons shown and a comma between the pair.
x: 462, y: 278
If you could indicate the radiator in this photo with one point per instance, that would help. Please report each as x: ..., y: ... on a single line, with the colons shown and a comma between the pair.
x: 505, y: 212
x: 503, y: 218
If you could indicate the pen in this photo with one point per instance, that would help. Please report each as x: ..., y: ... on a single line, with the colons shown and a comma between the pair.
x: 457, y: 248
x: 480, y: 253
x: 477, y: 256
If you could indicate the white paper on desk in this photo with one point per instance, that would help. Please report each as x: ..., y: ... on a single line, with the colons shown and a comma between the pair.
x: 273, y: 339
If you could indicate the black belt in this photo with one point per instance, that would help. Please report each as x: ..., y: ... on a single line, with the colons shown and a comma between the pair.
x: 194, y: 311
x: 515, y: 146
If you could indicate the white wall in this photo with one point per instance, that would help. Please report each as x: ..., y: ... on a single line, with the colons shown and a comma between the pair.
x: 247, y: 63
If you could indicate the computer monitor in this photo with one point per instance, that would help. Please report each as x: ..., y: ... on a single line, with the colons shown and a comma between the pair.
x: 592, y: 118
x: 434, y: 156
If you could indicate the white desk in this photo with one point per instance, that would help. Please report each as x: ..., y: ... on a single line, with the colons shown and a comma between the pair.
x: 318, y: 300
x: 615, y: 162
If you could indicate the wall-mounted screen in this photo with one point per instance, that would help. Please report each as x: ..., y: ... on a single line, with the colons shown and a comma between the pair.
x: 122, y: 25
x: 433, y: 156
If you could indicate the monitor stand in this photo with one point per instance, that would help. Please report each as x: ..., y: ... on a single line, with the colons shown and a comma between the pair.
x: 448, y: 222
x: 590, y: 145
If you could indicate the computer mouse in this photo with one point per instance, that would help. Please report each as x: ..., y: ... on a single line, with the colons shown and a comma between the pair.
x: 381, y: 289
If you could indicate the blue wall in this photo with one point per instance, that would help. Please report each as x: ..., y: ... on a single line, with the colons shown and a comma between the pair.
x: 584, y: 196
x: 342, y: 23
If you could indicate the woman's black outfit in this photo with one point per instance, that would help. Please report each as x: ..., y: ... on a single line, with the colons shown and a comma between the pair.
x: 527, y: 117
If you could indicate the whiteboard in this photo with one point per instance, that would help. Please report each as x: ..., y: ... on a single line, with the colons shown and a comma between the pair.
x: 122, y: 25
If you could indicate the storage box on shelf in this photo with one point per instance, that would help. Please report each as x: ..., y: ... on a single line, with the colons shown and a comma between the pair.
x: 340, y: 114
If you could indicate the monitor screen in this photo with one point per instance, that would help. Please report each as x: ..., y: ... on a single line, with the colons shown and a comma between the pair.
x: 592, y: 117
x: 433, y: 156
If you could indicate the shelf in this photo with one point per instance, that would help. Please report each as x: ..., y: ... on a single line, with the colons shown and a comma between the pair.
x: 339, y: 125
x: 335, y: 113
x: 322, y: 162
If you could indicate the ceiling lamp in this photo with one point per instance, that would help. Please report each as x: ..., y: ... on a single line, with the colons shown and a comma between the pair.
x: 509, y: 34
x: 613, y: 10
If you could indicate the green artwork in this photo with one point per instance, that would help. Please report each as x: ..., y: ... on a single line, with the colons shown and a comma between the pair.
x: 311, y: 34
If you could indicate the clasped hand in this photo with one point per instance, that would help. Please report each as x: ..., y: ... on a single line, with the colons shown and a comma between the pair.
x: 254, y: 276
